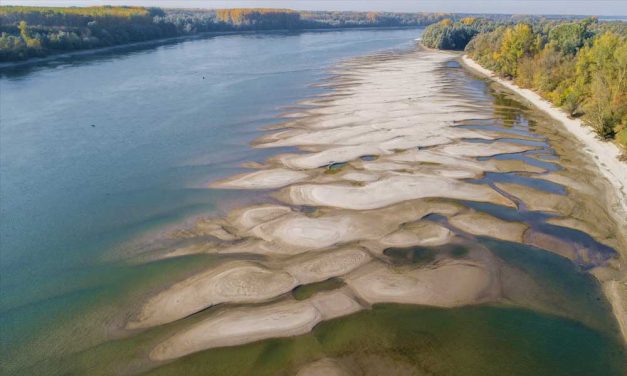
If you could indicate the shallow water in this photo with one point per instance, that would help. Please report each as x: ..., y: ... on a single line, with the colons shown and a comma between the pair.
x: 166, y: 120
x: 118, y: 204
x: 400, y: 340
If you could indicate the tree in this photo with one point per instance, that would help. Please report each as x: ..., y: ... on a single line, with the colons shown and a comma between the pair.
x: 603, y: 67
x: 447, y: 35
x: 580, y: 66
x: 569, y: 37
x: 24, y: 33
x: 517, y: 42
x: 373, y: 16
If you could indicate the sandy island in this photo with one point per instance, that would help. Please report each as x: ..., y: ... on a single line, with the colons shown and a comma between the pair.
x: 386, y: 162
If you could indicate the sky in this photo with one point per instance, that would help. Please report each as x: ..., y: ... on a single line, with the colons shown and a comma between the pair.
x: 578, y: 7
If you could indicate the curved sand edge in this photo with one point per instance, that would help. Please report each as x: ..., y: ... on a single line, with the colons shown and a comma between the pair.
x: 451, y: 283
x: 605, y: 156
x: 245, y: 325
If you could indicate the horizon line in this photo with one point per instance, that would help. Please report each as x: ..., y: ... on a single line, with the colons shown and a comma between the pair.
x: 321, y: 10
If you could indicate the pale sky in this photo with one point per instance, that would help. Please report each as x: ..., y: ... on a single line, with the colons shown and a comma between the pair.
x: 579, y: 7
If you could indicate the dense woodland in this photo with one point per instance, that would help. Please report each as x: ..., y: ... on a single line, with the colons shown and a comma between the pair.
x: 579, y: 65
x: 39, y: 31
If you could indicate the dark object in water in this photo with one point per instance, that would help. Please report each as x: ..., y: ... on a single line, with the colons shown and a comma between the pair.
x: 93, y: 125
x: 368, y: 157
x: 411, y: 255
x: 419, y: 255
x: 335, y: 167
x: 303, y: 292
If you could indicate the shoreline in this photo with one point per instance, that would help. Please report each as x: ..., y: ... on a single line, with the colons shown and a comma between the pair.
x: 605, y: 156
x: 96, y: 51
x: 176, y: 39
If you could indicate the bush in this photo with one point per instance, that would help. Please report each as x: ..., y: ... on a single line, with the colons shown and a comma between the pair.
x: 448, y: 36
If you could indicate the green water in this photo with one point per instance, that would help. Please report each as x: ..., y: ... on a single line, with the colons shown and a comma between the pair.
x: 419, y: 255
x: 569, y: 332
x: 465, y: 341
x: 305, y: 291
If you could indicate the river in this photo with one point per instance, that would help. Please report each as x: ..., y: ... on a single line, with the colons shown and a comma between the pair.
x: 104, y: 156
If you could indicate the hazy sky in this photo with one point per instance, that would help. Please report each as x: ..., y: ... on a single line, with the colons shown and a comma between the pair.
x: 587, y: 7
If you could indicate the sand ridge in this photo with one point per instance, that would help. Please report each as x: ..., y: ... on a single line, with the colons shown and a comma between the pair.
x: 384, y: 163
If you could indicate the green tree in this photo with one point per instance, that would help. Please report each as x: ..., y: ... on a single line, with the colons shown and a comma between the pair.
x: 603, y: 68
x: 518, y: 41
x: 569, y: 37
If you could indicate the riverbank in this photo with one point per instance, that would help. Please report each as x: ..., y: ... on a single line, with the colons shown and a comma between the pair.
x: 605, y: 156
x: 119, y: 47
x: 176, y: 39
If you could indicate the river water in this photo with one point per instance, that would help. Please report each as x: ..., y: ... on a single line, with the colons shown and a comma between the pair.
x: 102, y: 155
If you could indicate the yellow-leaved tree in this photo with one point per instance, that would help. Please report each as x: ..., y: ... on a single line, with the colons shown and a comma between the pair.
x: 518, y: 41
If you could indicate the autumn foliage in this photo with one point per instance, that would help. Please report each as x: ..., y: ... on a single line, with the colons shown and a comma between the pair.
x: 27, y: 32
x: 260, y: 17
x: 579, y: 65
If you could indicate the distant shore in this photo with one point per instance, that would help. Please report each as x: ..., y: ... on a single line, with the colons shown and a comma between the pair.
x: 181, y: 38
x: 605, y: 156
x: 98, y: 50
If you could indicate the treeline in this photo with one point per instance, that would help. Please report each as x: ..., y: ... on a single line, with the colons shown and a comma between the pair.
x: 27, y: 32
x: 450, y: 35
x: 38, y: 31
x: 327, y: 19
x: 578, y: 65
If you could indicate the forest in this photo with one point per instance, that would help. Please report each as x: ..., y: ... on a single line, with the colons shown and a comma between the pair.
x: 578, y: 65
x: 27, y: 32
x: 38, y: 31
